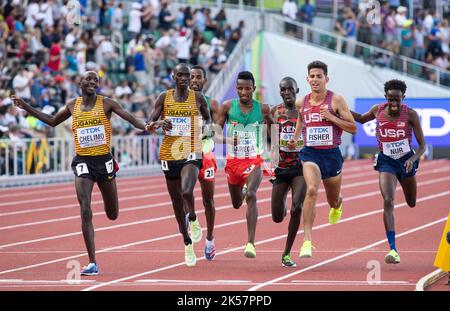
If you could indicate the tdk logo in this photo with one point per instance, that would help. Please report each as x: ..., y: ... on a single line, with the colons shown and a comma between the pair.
x: 439, y: 127
x: 92, y: 130
x: 179, y: 120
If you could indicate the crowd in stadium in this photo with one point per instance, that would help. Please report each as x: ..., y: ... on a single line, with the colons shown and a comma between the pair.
x: 43, y: 53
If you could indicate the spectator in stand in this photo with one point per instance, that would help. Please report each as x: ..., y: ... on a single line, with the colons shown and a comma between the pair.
x: 22, y: 84
x: 418, y: 42
x: 407, y: 39
x: 165, y: 18
x: 307, y: 12
x: 54, y: 61
x: 290, y: 12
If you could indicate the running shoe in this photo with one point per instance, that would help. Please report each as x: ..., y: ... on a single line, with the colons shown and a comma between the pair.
x: 210, y: 250
x: 90, y: 269
x: 392, y: 257
x: 250, y: 251
x: 195, y: 230
x: 189, y: 255
x: 286, y: 261
x: 306, y: 250
x: 334, y: 215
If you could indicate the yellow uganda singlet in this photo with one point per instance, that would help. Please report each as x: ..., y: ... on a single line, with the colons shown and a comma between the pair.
x: 184, y: 138
x: 91, y: 129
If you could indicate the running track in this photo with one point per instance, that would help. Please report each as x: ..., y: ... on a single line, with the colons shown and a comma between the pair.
x: 41, y: 241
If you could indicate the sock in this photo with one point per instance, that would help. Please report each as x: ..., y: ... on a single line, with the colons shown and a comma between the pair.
x: 187, y: 241
x: 391, y: 239
x: 209, y: 243
x: 192, y: 218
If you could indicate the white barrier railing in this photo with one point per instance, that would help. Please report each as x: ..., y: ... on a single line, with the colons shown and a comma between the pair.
x: 30, y: 161
x: 368, y: 53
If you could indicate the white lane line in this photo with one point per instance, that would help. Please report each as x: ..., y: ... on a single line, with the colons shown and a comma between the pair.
x: 215, y: 282
x: 163, y: 192
x: 197, y: 198
x: 434, y: 196
x: 27, y: 282
x: 346, y: 282
x: 219, y: 226
x: 284, y: 277
x: 368, y: 194
x: 131, y: 180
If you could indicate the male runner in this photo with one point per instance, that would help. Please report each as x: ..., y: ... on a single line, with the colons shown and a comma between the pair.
x: 323, y: 115
x: 91, y: 126
x: 181, y: 150
x: 288, y: 172
x: 396, y: 159
x: 244, y: 117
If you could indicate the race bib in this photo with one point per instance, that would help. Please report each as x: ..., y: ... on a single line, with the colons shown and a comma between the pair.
x: 91, y: 136
x: 191, y: 157
x: 181, y: 126
x: 284, y: 140
x: 209, y: 173
x: 396, y: 149
x: 319, y: 136
x: 164, y: 165
x: 246, y: 146
x: 109, y: 166
x: 82, y: 169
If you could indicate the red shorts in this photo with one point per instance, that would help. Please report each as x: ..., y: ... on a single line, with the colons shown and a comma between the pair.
x: 209, y: 167
x: 238, y: 170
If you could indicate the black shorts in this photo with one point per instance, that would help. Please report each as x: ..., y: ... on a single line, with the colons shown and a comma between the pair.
x: 97, y: 168
x: 285, y: 175
x: 172, y: 169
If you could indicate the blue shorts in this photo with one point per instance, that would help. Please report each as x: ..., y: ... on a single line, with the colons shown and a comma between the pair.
x: 383, y: 163
x: 329, y: 160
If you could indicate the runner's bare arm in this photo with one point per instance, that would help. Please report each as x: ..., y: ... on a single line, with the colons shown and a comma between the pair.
x: 418, y: 133
x: 274, y: 138
x: 220, y: 137
x: 345, y: 120
x: 367, y: 116
x: 214, y: 110
x: 203, y: 106
x: 223, y: 113
x: 298, y: 127
x: 53, y: 121
x: 156, y: 115
x: 123, y: 113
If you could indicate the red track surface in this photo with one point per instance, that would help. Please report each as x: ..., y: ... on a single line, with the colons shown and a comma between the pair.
x: 40, y: 239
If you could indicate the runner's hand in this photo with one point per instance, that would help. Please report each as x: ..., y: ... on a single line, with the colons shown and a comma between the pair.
x: 408, y: 165
x: 166, y: 124
x: 292, y: 144
x: 325, y: 113
x: 19, y: 102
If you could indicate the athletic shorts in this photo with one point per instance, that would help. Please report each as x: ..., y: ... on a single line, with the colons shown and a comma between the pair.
x: 97, y: 168
x: 172, y: 169
x: 238, y: 170
x: 330, y: 161
x: 285, y: 175
x: 209, y: 167
x: 383, y: 163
